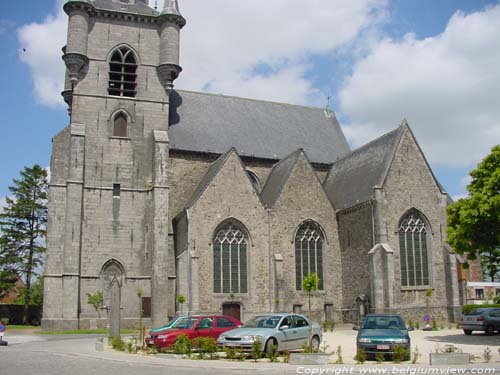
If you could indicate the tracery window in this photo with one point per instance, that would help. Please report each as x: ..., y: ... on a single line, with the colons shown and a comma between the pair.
x: 309, y: 253
x: 122, y: 73
x: 414, y: 252
x: 120, y: 125
x: 230, y: 259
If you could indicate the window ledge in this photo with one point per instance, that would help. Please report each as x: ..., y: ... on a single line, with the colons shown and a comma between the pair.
x: 416, y: 288
x: 120, y: 138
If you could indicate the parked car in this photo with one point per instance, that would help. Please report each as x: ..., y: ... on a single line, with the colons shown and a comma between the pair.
x: 192, y: 327
x: 380, y: 333
x: 166, y: 326
x: 287, y: 331
x: 486, y: 319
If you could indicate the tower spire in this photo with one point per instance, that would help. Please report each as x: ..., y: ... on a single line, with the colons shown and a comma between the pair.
x: 171, y: 7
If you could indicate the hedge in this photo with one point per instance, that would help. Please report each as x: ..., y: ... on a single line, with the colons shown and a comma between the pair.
x: 469, y: 308
x: 14, y: 314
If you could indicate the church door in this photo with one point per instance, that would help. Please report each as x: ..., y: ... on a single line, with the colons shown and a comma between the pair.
x: 232, y: 309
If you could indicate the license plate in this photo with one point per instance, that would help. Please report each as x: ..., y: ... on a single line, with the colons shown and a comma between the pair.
x: 231, y: 344
x: 149, y: 341
x: 383, y: 347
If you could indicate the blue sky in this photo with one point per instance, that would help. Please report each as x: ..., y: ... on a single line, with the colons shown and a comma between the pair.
x: 434, y: 62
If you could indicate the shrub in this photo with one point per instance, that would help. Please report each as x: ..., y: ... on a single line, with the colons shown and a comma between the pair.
x: 230, y: 353
x: 204, y: 346
x: 272, y: 355
x: 183, y: 345
x: 400, y: 354
x: 415, y: 355
x: 117, y: 343
x: 332, y: 326
x: 379, y: 357
x: 360, y: 355
x: 286, y: 356
x: 487, y: 355
x: 340, y: 360
x: 256, y: 352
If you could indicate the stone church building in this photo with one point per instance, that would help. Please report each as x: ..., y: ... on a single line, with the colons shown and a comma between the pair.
x: 157, y: 192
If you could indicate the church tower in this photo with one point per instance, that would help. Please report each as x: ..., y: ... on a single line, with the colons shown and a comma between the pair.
x: 109, y: 192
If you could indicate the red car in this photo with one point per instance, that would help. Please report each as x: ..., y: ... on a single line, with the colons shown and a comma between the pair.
x: 193, y: 326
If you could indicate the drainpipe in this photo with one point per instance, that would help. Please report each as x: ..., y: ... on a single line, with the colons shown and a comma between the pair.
x: 271, y: 292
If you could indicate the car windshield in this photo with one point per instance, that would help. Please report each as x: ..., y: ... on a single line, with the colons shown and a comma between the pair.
x: 184, y: 323
x: 263, y: 322
x: 383, y: 322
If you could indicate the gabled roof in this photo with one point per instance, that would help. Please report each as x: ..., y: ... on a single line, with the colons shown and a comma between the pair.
x: 211, y: 123
x: 213, y: 170
x: 351, y: 180
x: 138, y: 8
x: 278, y: 177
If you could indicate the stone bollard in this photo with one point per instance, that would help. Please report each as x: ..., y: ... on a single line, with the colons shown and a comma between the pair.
x: 99, y: 345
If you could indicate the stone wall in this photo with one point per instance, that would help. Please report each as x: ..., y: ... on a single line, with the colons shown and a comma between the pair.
x: 409, y: 185
x: 303, y: 199
x: 356, y: 240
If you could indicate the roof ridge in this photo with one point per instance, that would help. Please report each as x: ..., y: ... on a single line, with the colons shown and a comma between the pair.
x: 366, y: 145
x: 254, y: 100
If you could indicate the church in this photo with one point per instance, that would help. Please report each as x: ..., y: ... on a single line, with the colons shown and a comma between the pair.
x: 158, y: 192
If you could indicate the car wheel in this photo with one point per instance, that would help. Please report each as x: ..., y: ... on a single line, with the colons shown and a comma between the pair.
x: 269, y: 343
x: 315, y: 343
x: 468, y: 331
x: 489, y: 330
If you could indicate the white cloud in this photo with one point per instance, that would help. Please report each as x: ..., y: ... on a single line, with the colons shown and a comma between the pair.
x: 447, y: 87
x: 40, y: 48
x: 224, y: 42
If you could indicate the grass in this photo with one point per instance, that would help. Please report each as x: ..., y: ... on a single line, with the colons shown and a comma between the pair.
x: 86, y: 332
x: 19, y: 326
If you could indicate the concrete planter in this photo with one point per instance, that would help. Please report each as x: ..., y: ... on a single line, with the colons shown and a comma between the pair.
x: 308, y: 359
x: 449, y: 359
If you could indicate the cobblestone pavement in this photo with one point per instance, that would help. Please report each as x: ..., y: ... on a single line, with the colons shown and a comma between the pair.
x: 76, y: 355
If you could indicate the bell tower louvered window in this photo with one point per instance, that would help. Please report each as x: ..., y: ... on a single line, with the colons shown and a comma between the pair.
x: 230, y: 259
x: 123, y: 73
x: 309, y: 242
x: 414, y: 252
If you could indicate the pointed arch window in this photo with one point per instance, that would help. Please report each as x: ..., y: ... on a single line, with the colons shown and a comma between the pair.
x: 309, y: 241
x: 120, y: 125
x: 414, y: 251
x: 122, y: 73
x: 230, y: 246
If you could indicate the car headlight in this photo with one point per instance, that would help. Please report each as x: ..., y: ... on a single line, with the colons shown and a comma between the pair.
x: 365, y: 340
x: 401, y: 341
x: 252, y: 338
x: 162, y: 336
x: 221, y: 337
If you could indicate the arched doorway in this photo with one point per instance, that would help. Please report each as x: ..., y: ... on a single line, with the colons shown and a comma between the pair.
x: 232, y: 309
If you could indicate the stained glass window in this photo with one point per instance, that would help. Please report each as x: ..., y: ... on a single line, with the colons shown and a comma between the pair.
x: 309, y: 253
x: 413, y: 247
x: 230, y: 259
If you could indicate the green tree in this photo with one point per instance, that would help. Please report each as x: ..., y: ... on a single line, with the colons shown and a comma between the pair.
x: 181, y: 300
x: 23, y: 228
x: 310, y: 284
x: 95, y: 300
x: 474, y: 222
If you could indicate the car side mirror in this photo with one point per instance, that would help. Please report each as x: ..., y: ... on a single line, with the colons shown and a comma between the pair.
x: 355, y: 328
x: 410, y: 329
x: 284, y: 327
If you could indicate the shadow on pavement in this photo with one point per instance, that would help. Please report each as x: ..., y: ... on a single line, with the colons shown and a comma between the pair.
x: 474, y: 339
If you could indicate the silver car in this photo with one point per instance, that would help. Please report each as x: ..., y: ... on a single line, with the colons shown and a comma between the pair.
x: 287, y: 331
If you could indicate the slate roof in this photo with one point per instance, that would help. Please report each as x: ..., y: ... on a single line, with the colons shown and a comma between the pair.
x: 351, y: 180
x: 277, y: 178
x: 211, y: 123
x: 137, y: 8
x: 213, y: 170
